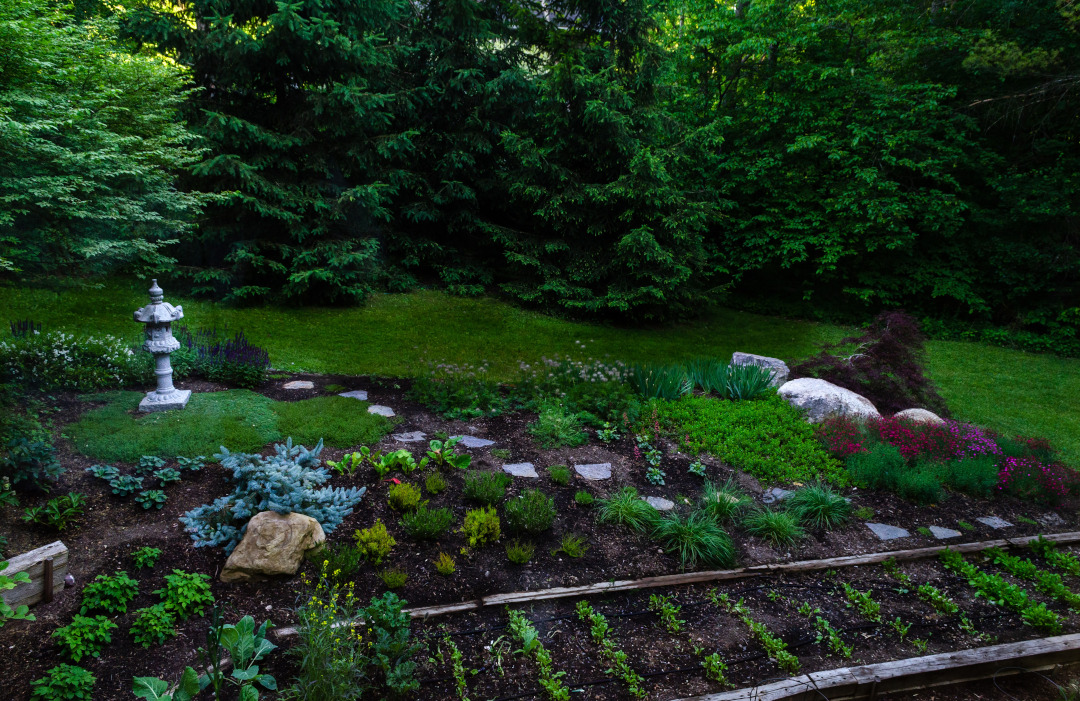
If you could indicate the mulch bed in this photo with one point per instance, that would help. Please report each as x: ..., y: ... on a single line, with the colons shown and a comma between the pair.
x: 102, y: 541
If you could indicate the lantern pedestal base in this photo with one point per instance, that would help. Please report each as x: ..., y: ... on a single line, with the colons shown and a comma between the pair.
x: 177, y: 399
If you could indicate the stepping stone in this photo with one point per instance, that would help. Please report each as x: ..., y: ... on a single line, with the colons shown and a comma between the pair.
x: 660, y: 503
x: 521, y: 469
x: 410, y: 437
x: 994, y: 522
x: 299, y: 384
x: 380, y: 410
x: 1050, y: 519
x: 474, y: 442
x: 774, y: 495
x: 886, y: 532
x: 943, y: 533
x: 360, y: 394
x: 594, y: 471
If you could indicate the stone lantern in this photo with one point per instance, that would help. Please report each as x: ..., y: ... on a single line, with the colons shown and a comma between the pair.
x: 158, y: 317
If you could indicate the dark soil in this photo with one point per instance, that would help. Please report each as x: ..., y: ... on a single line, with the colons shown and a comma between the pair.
x: 101, y: 543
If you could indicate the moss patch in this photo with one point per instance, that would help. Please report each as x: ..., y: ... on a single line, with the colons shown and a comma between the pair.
x: 341, y: 422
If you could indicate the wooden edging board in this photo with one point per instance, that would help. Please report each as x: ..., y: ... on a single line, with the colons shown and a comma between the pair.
x: 871, y: 681
x: 669, y: 580
x: 33, y: 563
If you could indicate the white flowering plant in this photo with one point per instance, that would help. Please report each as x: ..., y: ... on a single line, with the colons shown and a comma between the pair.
x: 60, y: 360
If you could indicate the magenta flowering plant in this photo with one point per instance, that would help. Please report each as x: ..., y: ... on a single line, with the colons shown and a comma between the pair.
x: 1032, y: 479
x: 841, y: 436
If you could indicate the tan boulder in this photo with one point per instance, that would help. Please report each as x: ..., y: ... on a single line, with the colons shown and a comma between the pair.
x: 274, y: 544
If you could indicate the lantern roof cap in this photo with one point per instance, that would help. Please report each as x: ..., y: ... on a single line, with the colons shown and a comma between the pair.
x: 158, y: 311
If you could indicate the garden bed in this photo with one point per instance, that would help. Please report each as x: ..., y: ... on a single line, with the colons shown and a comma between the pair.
x: 111, y: 528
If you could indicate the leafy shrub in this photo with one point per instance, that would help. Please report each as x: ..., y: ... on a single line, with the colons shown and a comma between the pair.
x: 886, y: 369
x: 878, y: 468
x: 747, y: 381
x: 394, y: 578
x: 531, y: 512
x: 445, y: 565
x: 145, y: 557
x: 584, y: 498
x: 58, y: 360
x: 481, y: 526
x: 109, y: 593
x: 919, y: 484
x: 29, y: 460
x: 167, y: 475
x: 342, y: 561
x: 210, y: 354
x: 444, y: 454
x: 519, y: 552
x: 84, y: 636
x: 598, y: 402
x: 487, y: 488
x: 22, y: 613
x: 284, y: 482
x: 627, y: 508
x: 560, y: 474
x: 435, y: 483
x: 403, y: 497
x: 780, y: 528
x: 151, y: 499
x: 660, y: 381
x: 818, y: 506
x: 427, y: 524
x: 572, y: 546
x: 556, y: 427
x: 375, y: 542
x: 58, y: 512
x: 65, y: 682
x: 696, y: 538
x: 125, y: 485
x: 974, y: 476
x: 458, y: 391
x: 153, y: 625
x: 725, y: 503
x: 149, y: 463
x: 186, y: 593
x: 768, y: 439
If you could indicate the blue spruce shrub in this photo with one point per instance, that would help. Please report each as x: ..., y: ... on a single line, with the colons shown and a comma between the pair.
x: 285, y: 482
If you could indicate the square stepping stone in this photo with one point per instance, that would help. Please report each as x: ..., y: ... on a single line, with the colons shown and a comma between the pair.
x: 299, y: 384
x: 474, y: 441
x: 660, y: 503
x: 410, y: 437
x: 993, y: 521
x: 360, y: 394
x: 380, y: 410
x: 775, y: 494
x: 1050, y: 519
x: 594, y: 471
x: 942, y: 533
x: 521, y: 469
x: 886, y: 532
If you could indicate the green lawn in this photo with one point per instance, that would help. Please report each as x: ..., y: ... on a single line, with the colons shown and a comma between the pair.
x: 1010, y: 391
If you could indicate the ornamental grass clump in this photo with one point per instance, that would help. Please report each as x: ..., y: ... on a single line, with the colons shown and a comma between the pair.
x: 780, y: 528
x: 725, y: 503
x: 660, y: 381
x: 818, y: 506
x: 627, y: 508
x: 427, y: 524
x: 696, y: 539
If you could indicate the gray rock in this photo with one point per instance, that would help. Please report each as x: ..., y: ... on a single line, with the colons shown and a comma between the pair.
x: 595, y: 471
x: 410, y: 437
x: 299, y: 384
x: 886, y: 532
x: 922, y: 416
x: 521, y: 469
x: 993, y: 521
x: 474, y: 441
x: 360, y: 394
x: 821, y: 399
x: 779, y: 367
x: 660, y: 503
x: 380, y: 410
x: 1050, y: 519
x: 943, y: 533
x: 775, y: 494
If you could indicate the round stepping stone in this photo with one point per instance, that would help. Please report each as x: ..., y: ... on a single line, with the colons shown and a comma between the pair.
x: 993, y: 521
x: 474, y: 441
x: 299, y: 384
x: 886, y: 532
x: 774, y: 495
x: 380, y: 410
x: 943, y: 533
x: 410, y: 437
x: 360, y: 394
x: 660, y: 503
x: 1050, y: 519
x: 594, y: 471
x: 521, y: 469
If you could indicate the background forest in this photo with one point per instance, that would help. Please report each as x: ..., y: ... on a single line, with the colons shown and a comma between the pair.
x: 623, y: 159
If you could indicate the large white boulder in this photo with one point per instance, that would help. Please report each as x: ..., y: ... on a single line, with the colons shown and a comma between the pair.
x: 779, y: 367
x: 273, y: 544
x: 922, y: 416
x: 821, y: 399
